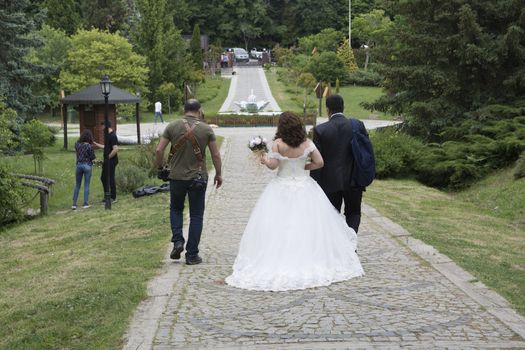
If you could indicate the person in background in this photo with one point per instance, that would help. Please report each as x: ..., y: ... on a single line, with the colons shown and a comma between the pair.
x: 110, y: 150
x: 85, y: 156
x: 158, y: 112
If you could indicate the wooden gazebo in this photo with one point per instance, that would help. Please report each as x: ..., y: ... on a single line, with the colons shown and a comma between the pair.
x: 91, y: 107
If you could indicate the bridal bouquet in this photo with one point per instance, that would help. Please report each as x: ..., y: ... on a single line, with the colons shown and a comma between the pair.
x: 258, y: 144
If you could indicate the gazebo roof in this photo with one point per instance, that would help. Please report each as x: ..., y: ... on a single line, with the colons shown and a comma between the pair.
x: 92, y: 95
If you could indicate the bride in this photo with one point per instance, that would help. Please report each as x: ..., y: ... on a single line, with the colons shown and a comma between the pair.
x: 294, y: 239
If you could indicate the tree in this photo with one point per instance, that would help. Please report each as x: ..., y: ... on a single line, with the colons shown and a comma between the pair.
x: 234, y: 21
x: 64, y: 15
x: 326, y: 40
x: 449, y: 59
x: 195, y: 48
x: 371, y: 29
x: 345, y: 53
x: 18, y: 76
x: 94, y: 53
x: 51, y: 55
x: 327, y: 67
x: 108, y: 15
x: 157, y: 39
x: 36, y: 136
x: 170, y: 95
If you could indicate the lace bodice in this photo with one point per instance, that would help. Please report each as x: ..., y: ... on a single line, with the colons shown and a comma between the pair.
x: 293, y: 167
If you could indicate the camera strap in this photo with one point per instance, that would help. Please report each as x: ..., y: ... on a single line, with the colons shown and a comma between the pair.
x: 188, y: 136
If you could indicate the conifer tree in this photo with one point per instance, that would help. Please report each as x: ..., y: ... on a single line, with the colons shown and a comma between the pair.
x: 17, y: 76
x: 195, y: 47
x: 157, y: 38
x: 446, y: 59
x: 347, y: 56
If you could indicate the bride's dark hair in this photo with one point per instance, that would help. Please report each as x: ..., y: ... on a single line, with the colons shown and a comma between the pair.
x: 290, y: 129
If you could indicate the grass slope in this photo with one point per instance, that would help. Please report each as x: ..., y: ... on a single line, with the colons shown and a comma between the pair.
x: 465, y: 227
x: 72, y: 279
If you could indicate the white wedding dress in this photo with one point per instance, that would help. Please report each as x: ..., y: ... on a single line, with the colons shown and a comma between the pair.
x: 294, y: 239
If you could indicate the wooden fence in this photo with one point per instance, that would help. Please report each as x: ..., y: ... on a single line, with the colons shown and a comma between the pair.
x: 44, y: 188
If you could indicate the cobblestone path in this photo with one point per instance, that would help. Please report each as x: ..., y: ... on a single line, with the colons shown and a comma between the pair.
x: 402, y: 301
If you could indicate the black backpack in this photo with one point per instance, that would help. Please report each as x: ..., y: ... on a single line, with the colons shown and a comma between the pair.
x: 364, y: 168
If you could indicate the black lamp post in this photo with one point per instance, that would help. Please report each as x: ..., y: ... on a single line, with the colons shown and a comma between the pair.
x: 105, y: 86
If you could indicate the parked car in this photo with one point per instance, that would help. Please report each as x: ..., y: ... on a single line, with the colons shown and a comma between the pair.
x: 257, y: 53
x: 240, y: 55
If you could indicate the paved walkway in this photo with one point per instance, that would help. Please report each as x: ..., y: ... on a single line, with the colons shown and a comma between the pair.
x: 243, y: 82
x: 410, y: 297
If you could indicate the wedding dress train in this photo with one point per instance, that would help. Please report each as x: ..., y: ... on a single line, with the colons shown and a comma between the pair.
x: 294, y: 239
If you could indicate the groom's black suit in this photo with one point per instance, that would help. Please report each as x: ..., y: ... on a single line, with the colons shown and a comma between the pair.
x: 333, y: 139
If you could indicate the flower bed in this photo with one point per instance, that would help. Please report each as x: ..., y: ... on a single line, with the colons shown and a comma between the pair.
x: 233, y: 120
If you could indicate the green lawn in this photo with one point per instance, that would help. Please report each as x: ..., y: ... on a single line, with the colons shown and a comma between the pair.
x: 212, y: 94
x: 72, y: 279
x: 290, y: 98
x: 466, y: 226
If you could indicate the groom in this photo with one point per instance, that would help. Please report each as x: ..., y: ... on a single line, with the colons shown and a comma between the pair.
x: 333, y: 140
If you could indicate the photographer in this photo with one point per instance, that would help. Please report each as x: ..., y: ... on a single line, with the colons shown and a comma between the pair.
x: 187, y: 174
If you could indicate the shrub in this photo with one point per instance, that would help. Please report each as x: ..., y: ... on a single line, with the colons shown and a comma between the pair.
x: 144, y: 157
x: 395, y: 152
x: 365, y: 78
x: 519, y: 169
x: 130, y: 177
x: 471, y: 150
x: 10, y: 197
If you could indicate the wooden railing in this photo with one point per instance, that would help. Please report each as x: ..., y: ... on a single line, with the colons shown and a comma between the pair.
x: 44, y: 189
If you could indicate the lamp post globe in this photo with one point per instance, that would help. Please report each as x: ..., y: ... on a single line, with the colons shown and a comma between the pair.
x: 105, y: 86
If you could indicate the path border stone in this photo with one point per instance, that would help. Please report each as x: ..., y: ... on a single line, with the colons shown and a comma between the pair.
x: 494, y: 303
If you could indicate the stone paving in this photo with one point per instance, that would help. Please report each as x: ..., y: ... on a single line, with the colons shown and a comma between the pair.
x: 402, y: 301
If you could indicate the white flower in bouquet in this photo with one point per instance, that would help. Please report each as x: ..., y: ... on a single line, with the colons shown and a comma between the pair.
x: 258, y: 144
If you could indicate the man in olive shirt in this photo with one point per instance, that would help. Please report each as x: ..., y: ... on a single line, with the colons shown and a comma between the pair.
x: 184, y: 167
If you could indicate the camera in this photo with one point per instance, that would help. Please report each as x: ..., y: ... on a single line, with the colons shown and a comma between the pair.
x: 164, y: 174
x: 198, y: 184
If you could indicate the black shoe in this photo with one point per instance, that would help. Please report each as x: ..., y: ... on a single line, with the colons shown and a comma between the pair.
x: 194, y: 260
x: 178, y: 247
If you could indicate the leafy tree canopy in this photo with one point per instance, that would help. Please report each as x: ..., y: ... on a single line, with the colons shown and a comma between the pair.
x: 94, y: 53
x: 372, y: 27
x: 327, y: 67
x: 51, y: 55
x: 326, y: 40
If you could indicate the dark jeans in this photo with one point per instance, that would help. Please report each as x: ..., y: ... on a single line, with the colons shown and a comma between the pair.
x: 178, y: 191
x: 112, y: 184
x: 352, y: 199
x: 82, y: 170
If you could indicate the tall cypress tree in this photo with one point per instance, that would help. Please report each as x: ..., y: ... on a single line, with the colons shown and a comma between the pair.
x: 157, y: 38
x: 195, y: 47
x: 447, y: 58
x: 17, y: 76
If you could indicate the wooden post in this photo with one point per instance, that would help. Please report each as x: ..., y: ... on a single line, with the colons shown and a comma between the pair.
x: 64, y: 118
x: 137, y: 118
x: 43, y: 202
